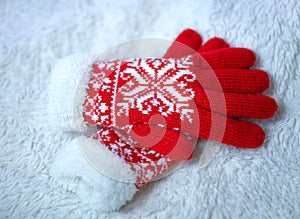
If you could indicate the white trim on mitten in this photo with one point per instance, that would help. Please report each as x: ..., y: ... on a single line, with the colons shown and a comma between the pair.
x: 67, y: 91
x: 76, y: 175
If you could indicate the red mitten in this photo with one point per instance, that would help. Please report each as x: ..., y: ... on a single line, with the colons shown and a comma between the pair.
x: 143, y: 161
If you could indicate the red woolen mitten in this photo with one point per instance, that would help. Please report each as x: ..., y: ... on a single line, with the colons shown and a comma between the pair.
x: 122, y: 105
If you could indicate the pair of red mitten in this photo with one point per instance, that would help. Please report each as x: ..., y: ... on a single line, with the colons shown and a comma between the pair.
x: 147, y: 113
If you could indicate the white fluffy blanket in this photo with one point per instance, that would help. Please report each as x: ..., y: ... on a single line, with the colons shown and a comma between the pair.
x: 262, y: 183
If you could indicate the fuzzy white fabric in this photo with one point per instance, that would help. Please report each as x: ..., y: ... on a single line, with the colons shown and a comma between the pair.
x: 238, y: 183
x: 67, y: 90
x: 108, y: 189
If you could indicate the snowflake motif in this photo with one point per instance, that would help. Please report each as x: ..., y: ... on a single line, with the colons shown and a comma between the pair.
x: 156, y: 83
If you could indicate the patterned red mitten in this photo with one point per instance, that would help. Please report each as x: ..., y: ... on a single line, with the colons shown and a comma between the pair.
x: 191, y: 94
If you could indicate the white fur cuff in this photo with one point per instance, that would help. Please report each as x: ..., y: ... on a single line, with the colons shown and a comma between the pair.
x: 67, y: 91
x: 76, y: 175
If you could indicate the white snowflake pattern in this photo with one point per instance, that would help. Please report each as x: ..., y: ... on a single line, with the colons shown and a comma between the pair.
x: 154, y: 82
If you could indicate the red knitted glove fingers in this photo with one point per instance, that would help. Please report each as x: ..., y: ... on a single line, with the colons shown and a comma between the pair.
x: 227, y: 58
x: 213, y: 44
x: 190, y: 38
x: 231, y: 80
x: 185, y: 44
x: 236, y: 132
x: 237, y: 104
x: 234, y: 80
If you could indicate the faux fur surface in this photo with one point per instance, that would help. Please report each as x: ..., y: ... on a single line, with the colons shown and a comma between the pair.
x: 262, y: 183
